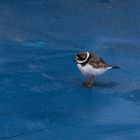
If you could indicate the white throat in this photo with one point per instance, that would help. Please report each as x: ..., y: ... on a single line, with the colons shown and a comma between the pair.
x: 80, y: 62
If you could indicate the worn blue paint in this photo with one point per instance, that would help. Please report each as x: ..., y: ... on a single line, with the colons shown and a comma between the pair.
x: 41, y: 93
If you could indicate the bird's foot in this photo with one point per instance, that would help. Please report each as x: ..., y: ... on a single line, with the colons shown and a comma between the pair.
x: 88, y: 84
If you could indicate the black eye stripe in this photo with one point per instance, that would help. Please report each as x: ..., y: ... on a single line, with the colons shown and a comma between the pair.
x: 81, y: 57
x: 78, y: 56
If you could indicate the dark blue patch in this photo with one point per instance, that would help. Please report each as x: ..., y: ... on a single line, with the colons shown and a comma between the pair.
x: 105, y: 1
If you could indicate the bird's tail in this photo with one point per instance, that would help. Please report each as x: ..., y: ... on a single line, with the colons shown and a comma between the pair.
x: 115, y: 67
x: 112, y: 66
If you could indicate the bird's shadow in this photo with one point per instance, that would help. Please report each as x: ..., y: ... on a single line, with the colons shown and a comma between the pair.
x: 106, y: 84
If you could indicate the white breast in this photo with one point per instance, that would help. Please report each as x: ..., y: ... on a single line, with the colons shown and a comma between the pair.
x: 88, y: 70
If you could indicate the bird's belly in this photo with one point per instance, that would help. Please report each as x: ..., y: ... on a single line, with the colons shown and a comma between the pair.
x: 89, y: 70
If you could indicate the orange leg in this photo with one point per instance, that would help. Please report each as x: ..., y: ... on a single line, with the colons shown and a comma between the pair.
x: 89, y: 84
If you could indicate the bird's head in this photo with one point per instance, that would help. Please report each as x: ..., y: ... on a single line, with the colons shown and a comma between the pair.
x: 82, y: 57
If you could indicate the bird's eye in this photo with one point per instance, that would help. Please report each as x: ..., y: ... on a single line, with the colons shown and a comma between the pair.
x: 78, y: 55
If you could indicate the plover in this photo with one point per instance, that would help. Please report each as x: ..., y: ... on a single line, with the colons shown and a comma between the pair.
x: 91, y: 65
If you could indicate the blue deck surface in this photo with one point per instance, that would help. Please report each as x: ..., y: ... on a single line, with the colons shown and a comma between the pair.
x: 41, y: 93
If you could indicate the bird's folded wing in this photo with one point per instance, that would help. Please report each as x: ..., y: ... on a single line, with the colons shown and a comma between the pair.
x: 97, y: 62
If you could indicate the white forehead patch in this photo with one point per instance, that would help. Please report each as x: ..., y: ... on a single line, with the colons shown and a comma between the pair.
x: 80, y: 62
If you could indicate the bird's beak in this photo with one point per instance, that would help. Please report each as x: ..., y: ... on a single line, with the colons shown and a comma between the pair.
x: 75, y: 59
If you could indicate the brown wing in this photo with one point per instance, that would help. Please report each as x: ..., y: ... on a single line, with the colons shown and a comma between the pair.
x: 97, y: 62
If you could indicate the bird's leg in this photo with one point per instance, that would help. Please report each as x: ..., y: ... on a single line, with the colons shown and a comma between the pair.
x: 87, y: 82
x: 90, y: 83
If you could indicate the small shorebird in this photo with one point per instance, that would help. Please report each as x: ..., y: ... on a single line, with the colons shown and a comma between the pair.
x: 91, y: 65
